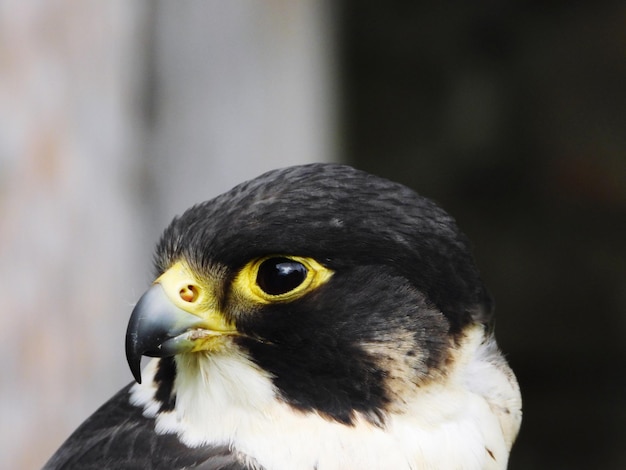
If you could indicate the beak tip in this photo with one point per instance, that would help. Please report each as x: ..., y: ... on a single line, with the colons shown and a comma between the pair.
x: 137, y: 376
x: 134, y: 361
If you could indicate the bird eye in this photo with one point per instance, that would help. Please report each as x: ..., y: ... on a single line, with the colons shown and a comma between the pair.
x: 278, y: 276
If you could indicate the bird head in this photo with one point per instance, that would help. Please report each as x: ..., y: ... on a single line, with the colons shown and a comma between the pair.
x: 345, y: 288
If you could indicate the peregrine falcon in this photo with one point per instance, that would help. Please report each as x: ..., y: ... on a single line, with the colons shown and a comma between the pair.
x: 315, y: 317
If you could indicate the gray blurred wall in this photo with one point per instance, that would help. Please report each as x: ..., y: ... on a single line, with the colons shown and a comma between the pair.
x: 114, y: 117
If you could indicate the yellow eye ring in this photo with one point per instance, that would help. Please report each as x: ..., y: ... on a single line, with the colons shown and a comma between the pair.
x: 280, y: 278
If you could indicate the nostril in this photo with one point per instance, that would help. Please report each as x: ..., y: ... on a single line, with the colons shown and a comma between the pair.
x: 188, y: 293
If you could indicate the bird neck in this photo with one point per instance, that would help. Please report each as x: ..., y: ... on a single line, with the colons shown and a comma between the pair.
x: 227, y: 400
x: 209, y: 392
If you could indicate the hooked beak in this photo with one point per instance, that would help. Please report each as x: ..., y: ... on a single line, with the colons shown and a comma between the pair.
x: 157, y: 328
x: 167, y: 320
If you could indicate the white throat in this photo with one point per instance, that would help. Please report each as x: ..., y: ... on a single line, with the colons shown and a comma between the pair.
x: 225, y: 399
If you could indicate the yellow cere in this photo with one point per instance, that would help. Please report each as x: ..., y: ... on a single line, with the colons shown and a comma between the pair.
x: 194, y: 295
x: 245, y: 284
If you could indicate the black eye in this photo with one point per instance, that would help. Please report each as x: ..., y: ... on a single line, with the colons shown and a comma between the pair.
x: 280, y: 275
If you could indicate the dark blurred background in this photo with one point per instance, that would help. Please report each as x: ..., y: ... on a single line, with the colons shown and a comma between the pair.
x: 512, y: 115
x: 115, y: 116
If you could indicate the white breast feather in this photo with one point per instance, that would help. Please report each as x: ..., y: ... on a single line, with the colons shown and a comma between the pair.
x: 226, y: 399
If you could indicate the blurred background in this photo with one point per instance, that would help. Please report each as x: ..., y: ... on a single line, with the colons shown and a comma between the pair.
x: 115, y: 116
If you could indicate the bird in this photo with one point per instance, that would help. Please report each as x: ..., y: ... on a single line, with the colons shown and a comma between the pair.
x: 315, y: 317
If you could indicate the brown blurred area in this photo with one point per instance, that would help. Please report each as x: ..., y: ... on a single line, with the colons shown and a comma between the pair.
x: 115, y: 116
